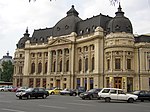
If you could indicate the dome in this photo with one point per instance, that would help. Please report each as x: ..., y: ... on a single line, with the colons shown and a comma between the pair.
x: 67, y: 25
x: 119, y: 23
x: 21, y: 43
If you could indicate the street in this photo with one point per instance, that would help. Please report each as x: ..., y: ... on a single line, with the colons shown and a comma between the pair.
x: 57, y: 103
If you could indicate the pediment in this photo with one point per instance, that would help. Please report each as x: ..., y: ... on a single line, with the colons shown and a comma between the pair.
x: 59, y: 41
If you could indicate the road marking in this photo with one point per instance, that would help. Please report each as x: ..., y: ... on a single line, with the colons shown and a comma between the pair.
x: 5, y: 102
x: 80, y: 104
x: 11, y: 110
x: 57, y: 107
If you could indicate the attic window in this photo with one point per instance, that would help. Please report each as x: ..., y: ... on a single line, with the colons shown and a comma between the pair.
x: 87, y: 30
x: 81, y: 31
x: 117, y: 27
x: 93, y: 27
x: 66, y: 27
x: 41, y: 39
x: 128, y: 28
x: 58, y: 28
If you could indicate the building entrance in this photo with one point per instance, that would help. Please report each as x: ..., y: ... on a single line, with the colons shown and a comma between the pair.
x: 118, y: 82
x: 58, y: 83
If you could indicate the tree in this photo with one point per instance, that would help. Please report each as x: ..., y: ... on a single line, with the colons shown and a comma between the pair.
x: 7, y: 71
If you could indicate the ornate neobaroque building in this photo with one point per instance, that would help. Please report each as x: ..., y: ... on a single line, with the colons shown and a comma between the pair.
x: 98, y: 52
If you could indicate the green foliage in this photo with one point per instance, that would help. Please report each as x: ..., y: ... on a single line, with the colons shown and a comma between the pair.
x: 7, y: 71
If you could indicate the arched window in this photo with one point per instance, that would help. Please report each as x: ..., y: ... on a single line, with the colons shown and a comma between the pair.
x: 60, y: 66
x: 86, y: 64
x: 67, y: 65
x: 80, y: 65
x: 92, y: 63
x: 40, y: 67
x: 32, y: 68
x: 46, y: 67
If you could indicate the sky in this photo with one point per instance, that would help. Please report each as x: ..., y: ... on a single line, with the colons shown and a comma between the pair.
x: 17, y: 15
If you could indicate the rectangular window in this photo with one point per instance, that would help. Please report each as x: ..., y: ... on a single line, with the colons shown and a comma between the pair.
x: 149, y: 64
x: 106, y: 91
x: 129, y: 64
x: 117, y: 63
x: 38, y: 82
x: 149, y: 83
x: 108, y: 64
x: 20, y: 69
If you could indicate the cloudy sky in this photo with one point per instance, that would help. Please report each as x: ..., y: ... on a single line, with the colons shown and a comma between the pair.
x: 17, y: 15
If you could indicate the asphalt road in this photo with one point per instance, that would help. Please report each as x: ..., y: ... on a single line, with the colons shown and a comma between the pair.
x: 56, y: 103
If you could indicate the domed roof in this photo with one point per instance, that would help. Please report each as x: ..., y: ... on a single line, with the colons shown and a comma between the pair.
x: 21, y: 43
x: 119, y: 23
x: 67, y: 24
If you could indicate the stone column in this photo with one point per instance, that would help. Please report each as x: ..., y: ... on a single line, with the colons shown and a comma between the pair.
x: 82, y: 82
x: 88, y: 83
x: 27, y: 62
x: 111, y: 61
x: 36, y: 63
x: 63, y: 60
x: 43, y: 63
x: 124, y: 64
x: 56, y: 66
x: 89, y: 59
x: 49, y: 68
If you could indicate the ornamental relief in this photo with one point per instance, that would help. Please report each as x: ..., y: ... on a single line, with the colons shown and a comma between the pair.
x: 59, y: 41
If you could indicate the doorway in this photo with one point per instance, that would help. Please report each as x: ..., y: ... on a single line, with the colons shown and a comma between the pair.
x: 58, y: 83
x: 118, y: 82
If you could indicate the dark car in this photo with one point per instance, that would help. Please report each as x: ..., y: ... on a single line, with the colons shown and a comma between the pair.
x: 67, y: 91
x: 142, y: 95
x: 91, y: 94
x: 80, y: 90
x: 32, y: 93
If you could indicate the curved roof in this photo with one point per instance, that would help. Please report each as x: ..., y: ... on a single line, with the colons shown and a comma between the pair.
x: 21, y: 43
x: 119, y: 23
x: 67, y: 24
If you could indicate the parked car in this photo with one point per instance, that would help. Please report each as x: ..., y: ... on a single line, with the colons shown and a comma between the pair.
x: 92, y: 93
x: 32, y: 93
x: 14, y: 89
x: 21, y: 89
x: 116, y: 94
x: 67, y: 91
x: 6, y: 88
x: 80, y: 90
x: 142, y: 95
x: 54, y: 91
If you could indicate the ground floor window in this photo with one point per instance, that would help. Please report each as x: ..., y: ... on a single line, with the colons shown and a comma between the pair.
x: 44, y: 82
x: 38, y: 82
x: 51, y: 85
x: 129, y: 84
x: 64, y: 85
x: 78, y: 83
x: 107, y: 82
x: 19, y: 82
x: 31, y: 82
x: 149, y: 83
x: 91, y: 83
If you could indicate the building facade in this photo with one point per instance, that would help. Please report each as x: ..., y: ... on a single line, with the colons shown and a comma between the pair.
x: 98, y: 52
